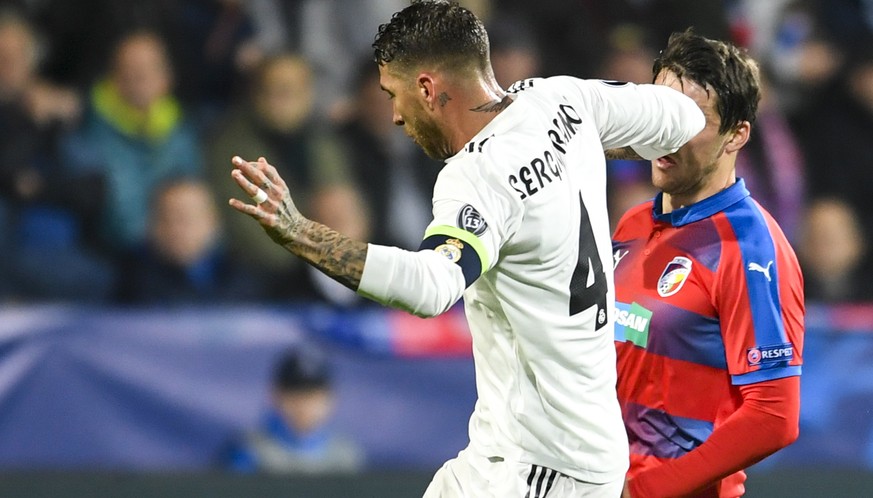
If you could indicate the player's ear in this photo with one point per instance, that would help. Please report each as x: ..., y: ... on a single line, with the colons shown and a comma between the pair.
x: 739, y: 136
x: 426, y: 88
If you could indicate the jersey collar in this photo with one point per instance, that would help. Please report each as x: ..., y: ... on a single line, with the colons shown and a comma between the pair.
x: 503, y: 121
x: 702, y: 209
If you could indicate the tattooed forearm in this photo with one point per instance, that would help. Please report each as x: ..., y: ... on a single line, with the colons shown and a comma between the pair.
x: 623, y: 153
x: 338, y: 256
x: 494, y: 105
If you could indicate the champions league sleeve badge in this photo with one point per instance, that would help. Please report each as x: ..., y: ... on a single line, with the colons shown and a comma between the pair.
x: 674, y: 276
x: 470, y: 220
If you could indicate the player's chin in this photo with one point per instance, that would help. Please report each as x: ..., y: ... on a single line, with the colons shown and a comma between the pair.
x: 435, y: 152
x: 664, y: 181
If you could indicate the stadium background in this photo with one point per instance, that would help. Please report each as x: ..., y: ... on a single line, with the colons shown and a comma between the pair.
x: 99, y: 402
x: 98, y: 399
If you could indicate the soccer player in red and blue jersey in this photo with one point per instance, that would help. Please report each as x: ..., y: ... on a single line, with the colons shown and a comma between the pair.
x: 709, y: 299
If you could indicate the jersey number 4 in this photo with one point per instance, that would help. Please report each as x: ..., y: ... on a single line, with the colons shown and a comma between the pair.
x: 588, y: 284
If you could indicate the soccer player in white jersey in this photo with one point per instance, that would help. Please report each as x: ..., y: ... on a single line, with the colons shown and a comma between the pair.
x: 520, y: 230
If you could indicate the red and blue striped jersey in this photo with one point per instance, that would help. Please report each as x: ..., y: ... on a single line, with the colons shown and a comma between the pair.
x: 708, y: 297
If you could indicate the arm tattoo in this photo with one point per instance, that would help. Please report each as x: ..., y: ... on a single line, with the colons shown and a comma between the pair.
x: 336, y: 255
x: 494, y: 105
x: 623, y: 153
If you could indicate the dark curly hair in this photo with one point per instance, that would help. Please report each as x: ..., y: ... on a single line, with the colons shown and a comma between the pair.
x: 434, y: 32
x: 727, y: 69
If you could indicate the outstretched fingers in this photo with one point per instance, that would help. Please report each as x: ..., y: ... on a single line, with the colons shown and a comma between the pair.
x: 254, y: 182
x: 270, y: 172
x: 246, y: 184
x: 262, y: 174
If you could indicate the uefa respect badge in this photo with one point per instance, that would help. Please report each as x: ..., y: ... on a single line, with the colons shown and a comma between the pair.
x: 764, y: 355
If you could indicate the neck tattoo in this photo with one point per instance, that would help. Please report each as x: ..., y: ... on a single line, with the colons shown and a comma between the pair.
x: 494, y: 106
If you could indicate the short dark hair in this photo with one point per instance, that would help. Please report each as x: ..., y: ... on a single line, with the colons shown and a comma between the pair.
x: 301, y: 369
x: 433, y: 31
x: 724, y: 67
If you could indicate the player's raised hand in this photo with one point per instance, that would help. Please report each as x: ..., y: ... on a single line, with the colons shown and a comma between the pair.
x: 273, y: 207
x: 338, y: 256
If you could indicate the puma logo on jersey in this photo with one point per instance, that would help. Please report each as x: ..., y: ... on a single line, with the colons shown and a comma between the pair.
x: 617, y: 256
x: 763, y: 269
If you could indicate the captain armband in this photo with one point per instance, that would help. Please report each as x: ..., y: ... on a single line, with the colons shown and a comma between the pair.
x: 465, y: 254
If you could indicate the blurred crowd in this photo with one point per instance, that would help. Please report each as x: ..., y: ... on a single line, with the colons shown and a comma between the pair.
x: 118, y: 121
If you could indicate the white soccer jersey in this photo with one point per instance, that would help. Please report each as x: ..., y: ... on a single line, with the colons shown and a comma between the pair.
x: 528, y: 195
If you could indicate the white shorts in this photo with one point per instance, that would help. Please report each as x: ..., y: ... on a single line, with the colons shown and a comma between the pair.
x: 473, y: 476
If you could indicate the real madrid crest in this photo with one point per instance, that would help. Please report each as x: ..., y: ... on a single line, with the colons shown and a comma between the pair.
x: 674, y: 276
x: 451, y: 249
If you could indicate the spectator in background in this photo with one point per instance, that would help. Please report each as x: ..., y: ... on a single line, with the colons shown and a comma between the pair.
x: 183, y: 260
x: 277, y: 119
x: 574, y: 35
x: 514, y: 49
x: 79, y: 36
x: 135, y: 134
x: 847, y: 21
x: 629, y: 55
x: 214, y: 44
x: 835, y: 134
x: 832, y: 249
x: 48, y: 210
x: 295, y: 436
x: 792, y: 44
x: 331, y: 35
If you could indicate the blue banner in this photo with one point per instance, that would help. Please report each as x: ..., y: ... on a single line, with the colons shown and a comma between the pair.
x: 164, y: 389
